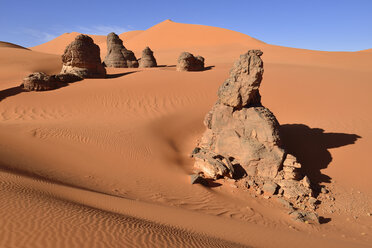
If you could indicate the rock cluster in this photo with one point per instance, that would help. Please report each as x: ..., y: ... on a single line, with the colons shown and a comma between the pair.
x: 40, y: 81
x: 82, y: 57
x: 187, y: 62
x: 147, y: 59
x: 242, y: 140
x: 117, y: 55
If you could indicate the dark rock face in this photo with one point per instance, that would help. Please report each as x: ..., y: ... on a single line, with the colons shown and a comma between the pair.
x: 40, y: 81
x: 147, y: 59
x: 117, y: 55
x: 82, y: 57
x: 187, y: 62
x: 241, y: 133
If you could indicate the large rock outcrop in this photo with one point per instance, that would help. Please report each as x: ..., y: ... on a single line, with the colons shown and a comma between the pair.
x: 187, y: 62
x: 82, y: 57
x: 147, y: 59
x: 117, y: 55
x: 39, y: 81
x: 242, y: 139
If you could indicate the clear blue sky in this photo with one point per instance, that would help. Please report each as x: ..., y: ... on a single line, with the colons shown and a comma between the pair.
x: 332, y: 25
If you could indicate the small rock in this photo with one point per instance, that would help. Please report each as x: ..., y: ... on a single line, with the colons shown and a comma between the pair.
x: 196, y: 178
x: 280, y: 191
x: 312, y: 200
x: 258, y: 192
x: 266, y: 197
x: 284, y: 203
x: 369, y: 214
x: 250, y: 183
x: 324, y: 190
x: 306, y: 182
x: 270, y: 187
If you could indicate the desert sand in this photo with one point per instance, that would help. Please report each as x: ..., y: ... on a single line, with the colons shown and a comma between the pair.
x: 105, y: 162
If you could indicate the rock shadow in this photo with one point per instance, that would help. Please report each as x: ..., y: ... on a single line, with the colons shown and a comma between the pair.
x: 10, y: 92
x: 117, y: 75
x: 208, y: 68
x: 311, y: 145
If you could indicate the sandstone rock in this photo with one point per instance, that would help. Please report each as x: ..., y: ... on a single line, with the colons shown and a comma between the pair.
x: 82, y: 57
x: 305, y: 216
x: 241, y: 88
x: 291, y: 168
x: 147, y: 59
x: 240, y: 131
x: 306, y: 182
x: 239, y: 127
x: 68, y: 77
x: 117, y: 55
x: 39, y: 81
x: 197, y: 179
x: 270, y: 187
x: 187, y: 62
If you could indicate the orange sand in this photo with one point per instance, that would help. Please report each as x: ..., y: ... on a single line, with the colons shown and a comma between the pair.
x: 104, y: 162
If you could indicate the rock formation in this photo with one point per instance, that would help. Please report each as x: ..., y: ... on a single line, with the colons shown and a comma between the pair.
x: 117, y: 55
x: 147, y: 59
x: 39, y: 81
x: 243, y: 136
x: 82, y: 57
x: 187, y: 62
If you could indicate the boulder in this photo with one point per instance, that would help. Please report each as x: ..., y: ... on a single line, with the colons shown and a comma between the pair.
x: 187, y: 62
x: 242, y: 133
x: 117, y: 55
x: 82, y: 57
x: 239, y: 127
x: 39, y: 81
x: 147, y: 59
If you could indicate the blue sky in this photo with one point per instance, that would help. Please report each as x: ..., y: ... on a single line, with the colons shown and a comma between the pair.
x: 332, y: 25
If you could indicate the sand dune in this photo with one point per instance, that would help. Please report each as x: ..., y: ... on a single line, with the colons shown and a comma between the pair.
x: 115, y: 150
x: 10, y: 45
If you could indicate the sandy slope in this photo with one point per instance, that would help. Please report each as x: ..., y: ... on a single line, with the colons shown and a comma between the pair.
x: 121, y: 145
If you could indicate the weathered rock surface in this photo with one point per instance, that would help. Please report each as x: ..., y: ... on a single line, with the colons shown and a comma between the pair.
x: 147, y: 59
x: 39, y: 81
x: 241, y: 133
x: 117, y: 55
x: 187, y: 62
x: 82, y: 57
x: 239, y: 128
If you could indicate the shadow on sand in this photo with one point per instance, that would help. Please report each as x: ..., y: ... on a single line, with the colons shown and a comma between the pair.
x: 10, y: 92
x: 117, y: 75
x: 310, y: 146
x: 18, y: 89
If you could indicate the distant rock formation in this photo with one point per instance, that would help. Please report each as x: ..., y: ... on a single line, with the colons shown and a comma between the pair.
x: 242, y: 138
x: 117, y: 55
x: 147, y: 59
x: 39, y: 81
x: 187, y: 62
x: 82, y: 57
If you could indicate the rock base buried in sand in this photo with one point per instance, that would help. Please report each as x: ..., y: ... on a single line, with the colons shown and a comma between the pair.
x: 39, y: 81
x: 187, y: 62
x: 82, y: 58
x: 147, y: 59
